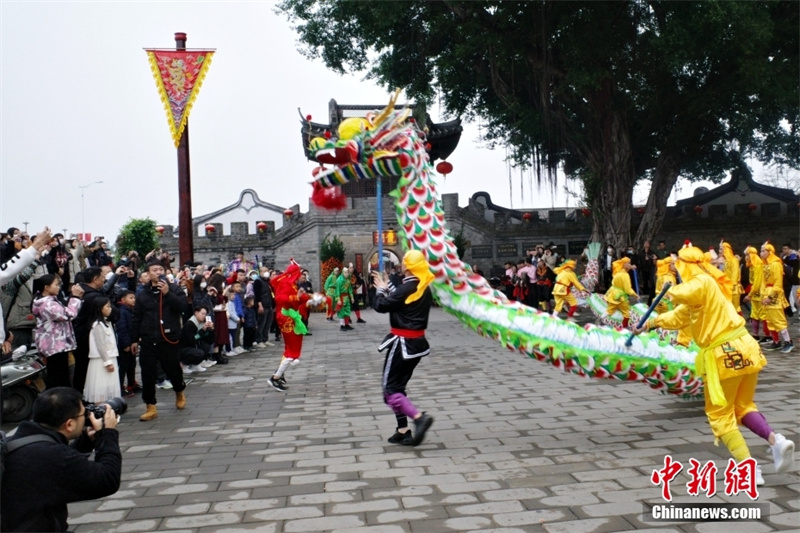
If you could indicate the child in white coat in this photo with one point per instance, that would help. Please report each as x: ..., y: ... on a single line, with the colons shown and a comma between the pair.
x: 102, y: 380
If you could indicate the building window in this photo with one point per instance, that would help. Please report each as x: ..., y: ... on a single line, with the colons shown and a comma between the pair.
x: 771, y: 209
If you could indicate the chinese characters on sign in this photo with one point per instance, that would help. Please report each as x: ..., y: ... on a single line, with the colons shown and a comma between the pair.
x: 389, y: 237
x: 739, y: 477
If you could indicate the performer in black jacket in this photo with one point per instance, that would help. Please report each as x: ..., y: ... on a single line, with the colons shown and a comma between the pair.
x: 157, y: 328
x: 408, y: 306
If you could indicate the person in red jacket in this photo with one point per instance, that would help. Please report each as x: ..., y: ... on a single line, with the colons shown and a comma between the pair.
x: 289, y: 298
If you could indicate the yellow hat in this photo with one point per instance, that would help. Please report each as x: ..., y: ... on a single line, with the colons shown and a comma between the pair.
x: 692, y: 261
x: 416, y: 263
x: 662, y: 265
x: 727, y: 251
x: 619, y: 265
x: 569, y: 264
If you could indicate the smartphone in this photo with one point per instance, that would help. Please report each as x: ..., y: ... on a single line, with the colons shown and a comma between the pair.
x: 208, y: 320
x: 163, y: 278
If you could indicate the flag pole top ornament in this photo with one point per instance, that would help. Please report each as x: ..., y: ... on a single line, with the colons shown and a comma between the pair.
x: 179, y: 74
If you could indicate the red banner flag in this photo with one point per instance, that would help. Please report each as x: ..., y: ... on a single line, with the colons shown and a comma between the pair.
x: 179, y: 75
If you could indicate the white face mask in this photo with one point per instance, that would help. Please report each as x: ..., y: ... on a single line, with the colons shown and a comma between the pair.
x: 203, y: 285
x: 265, y: 275
x: 610, y: 250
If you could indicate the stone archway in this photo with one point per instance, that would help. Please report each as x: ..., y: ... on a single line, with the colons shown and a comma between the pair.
x: 390, y: 259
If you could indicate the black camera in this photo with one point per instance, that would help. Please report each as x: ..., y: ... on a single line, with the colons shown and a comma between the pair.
x: 119, y: 405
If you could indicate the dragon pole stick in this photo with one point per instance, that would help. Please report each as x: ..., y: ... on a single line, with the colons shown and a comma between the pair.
x: 650, y: 310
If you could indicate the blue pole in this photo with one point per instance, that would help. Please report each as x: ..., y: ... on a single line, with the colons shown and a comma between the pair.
x: 650, y: 309
x: 636, y: 280
x: 379, y: 194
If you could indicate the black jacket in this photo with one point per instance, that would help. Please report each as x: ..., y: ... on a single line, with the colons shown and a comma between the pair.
x: 402, y: 315
x: 40, y: 479
x: 262, y: 292
x: 157, y: 317
x: 86, y: 316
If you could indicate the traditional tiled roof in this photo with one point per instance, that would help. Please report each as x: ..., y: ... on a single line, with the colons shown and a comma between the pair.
x: 740, y: 182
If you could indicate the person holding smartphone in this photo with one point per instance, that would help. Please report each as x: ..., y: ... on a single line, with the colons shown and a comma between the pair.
x: 157, y: 330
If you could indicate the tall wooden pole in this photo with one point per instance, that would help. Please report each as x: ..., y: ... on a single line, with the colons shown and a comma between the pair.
x: 185, y: 227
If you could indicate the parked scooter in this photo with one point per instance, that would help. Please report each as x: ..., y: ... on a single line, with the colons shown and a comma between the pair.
x: 22, y: 380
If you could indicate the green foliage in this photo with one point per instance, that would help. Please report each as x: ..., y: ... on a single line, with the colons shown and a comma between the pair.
x: 461, y: 242
x: 608, y: 91
x: 331, y: 247
x: 137, y: 234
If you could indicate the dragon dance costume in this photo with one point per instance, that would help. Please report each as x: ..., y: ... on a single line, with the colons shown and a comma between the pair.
x: 408, y: 306
x: 617, y: 295
x: 729, y: 359
x: 288, y: 300
x: 562, y: 293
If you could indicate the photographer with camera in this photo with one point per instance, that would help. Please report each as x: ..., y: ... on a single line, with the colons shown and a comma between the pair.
x: 44, y: 475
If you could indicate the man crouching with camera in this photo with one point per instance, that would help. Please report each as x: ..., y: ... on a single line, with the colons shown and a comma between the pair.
x: 44, y: 475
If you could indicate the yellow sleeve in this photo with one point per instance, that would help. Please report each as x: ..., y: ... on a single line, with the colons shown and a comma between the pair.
x: 576, y: 282
x: 678, y: 318
x: 690, y: 292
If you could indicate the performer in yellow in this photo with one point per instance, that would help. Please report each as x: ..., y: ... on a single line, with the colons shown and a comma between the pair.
x: 731, y: 267
x: 729, y: 359
x: 565, y: 279
x: 617, y: 295
x: 773, y: 301
x: 755, y: 269
x: 665, y: 272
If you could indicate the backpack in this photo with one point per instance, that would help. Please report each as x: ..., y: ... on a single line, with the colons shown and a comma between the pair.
x: 6, y: 447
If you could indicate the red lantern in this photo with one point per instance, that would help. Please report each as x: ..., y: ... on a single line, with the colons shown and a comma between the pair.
x: 261, y: 227
x: 586, y: 212
x: 527, y: 217
x: 752, y: 207
x: 288, y: 212
x: 640, y: 210
x: 443, y: 167
x: 210, y: 228
x: 698, y: 209
x: 160, y: 230
x: 327, y: 134
x: 308, y: 118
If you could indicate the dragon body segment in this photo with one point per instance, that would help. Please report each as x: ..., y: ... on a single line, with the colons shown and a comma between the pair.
x: 386, y: 144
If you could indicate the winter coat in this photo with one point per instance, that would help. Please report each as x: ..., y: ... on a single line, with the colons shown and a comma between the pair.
x: 103, y: 342
x: 77, y: 261
x: 155, y: 323
x: 54, y: 333
x: 125, y: 327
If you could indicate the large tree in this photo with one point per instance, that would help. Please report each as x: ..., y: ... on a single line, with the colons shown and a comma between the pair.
x: 613, y: 92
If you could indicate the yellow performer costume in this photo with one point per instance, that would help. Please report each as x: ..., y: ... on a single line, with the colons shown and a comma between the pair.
x: 729, y: 358
x: 566, y: 278
x: 755, y: 269
x: 664, y: 274
x: 617, y: 295
x: 773, y: 301
x: 732, y: 270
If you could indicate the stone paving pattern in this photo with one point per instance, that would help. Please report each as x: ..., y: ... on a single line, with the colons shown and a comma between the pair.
x: 516, y: 446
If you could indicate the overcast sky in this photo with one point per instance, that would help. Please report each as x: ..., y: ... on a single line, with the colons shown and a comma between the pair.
x: 78, y: 104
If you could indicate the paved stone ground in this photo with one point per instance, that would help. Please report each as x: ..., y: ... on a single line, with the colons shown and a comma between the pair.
x: 516, y: 446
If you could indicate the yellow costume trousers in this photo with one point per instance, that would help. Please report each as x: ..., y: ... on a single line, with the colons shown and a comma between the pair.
x: 739, y: 392
x: 775, y: 317
x: 623, y: 306
x: 756, y: 311
x: 560, y: 299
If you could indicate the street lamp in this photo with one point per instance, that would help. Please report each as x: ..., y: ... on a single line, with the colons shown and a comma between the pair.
x: 83, y: 188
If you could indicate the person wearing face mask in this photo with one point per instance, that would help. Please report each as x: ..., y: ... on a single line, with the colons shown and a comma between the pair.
x: 607, y: 263
x: 265, y: 307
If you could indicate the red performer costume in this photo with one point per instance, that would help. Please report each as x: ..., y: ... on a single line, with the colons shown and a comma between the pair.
x: 289, y: 299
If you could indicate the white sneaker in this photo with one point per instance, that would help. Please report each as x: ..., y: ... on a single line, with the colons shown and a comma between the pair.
x: 232, y: 353
x: 198, y: 368
x: 759, y: 478
x: 782, y: 453
x: 166, y: 384
x: 267, y: 343
x: 239, y: 350
x: 187, y: 369
x: 208, y: 363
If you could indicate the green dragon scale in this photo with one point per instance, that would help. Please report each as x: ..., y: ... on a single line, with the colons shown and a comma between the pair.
x: 386, y: 143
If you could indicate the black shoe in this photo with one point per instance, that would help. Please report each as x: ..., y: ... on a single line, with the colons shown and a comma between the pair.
x: 342, y: 328
x: 404, y: 439
x: 276, y: 384
x: 774, y: 346
x: 360, y: 321
x: 220, y: 358
x: 282, y: 380
x: 348, y: 327
x: 307, y: 333
x: 421, y: 426
x: 765, y: 340
x: 137, y: 387
x: 329, y: 319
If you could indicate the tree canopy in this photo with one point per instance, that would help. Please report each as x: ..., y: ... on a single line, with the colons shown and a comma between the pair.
x: 612, y: 92
x: 137, y: 234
